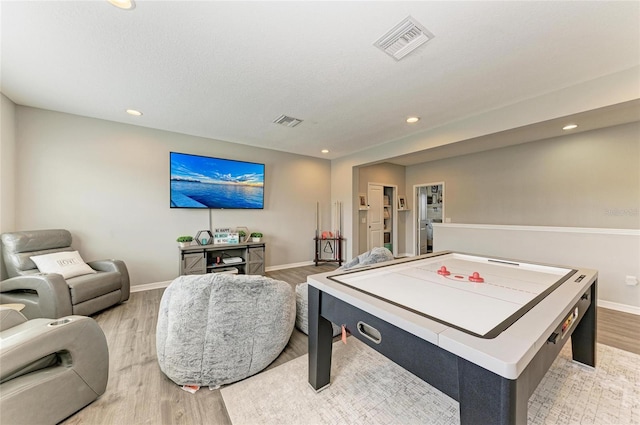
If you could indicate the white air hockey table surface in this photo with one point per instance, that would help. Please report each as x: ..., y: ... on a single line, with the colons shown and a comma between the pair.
x: 494, y: 312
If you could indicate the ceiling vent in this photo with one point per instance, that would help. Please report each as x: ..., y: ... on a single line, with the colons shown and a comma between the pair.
x: 404, y: 38
x: 287, y: 121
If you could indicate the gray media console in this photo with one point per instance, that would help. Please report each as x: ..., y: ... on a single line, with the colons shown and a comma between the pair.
x: 246, y: 258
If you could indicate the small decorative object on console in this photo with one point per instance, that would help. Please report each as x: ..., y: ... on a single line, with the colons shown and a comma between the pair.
x: 256, y: 236
x: 204, y: 237
x: 184, y: 241
x: 243, y: 233
x: 225, y: 236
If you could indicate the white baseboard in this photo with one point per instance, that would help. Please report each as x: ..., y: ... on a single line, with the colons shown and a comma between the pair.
x: 150, y: 286
x: 288, y: 266
x: 619, y: 307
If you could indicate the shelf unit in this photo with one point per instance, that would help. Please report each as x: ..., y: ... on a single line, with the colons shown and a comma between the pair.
x: 337, y: 247
x: 201, y: 259
x: 388, y: 199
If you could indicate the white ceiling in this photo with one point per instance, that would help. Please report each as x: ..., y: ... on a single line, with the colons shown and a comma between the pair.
x: 226, y: 70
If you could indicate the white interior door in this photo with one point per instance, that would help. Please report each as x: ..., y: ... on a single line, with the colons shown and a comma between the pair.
x: 376, y: 216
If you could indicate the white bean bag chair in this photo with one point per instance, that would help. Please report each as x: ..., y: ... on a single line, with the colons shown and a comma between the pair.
x: 215, y: 329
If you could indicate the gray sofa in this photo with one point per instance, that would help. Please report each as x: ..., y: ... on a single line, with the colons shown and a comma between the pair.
x: 50, y: 368
x: 49, y: 294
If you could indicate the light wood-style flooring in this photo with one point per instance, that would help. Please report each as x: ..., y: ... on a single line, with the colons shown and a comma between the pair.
x: 619, y: 329
x: 139, y: 393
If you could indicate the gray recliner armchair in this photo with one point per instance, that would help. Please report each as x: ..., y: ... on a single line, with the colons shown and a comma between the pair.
x: 50, y: 294
x: 49, y: 368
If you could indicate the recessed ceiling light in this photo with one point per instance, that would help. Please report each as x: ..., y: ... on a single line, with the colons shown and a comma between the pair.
x: 570, y: 126
x: 123, y: 4
x: 134, y: 112
x: 412, y: 120
x: 325, y: 151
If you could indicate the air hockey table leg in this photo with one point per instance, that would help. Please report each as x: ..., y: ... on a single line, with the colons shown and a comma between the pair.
x: 488, y: 398
x: 583, y: 338
x: 320, y: 338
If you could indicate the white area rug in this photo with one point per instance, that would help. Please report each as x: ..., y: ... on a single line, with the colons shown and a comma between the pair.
x: 367, y: 388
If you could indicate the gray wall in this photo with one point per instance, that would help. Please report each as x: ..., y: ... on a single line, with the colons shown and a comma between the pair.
x: 7, y: 168
x: 589, y: 179
x: 7, y: 163
x: 108, y: 183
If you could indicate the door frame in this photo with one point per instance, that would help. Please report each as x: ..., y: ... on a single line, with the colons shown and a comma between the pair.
x: 394, y: 214
x: 416, y: 213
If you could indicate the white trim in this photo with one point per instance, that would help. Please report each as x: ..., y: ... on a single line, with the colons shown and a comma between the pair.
x: 288, y: 266
x: 592, y: 230
x: 150, y: 286
x: 619, y: 307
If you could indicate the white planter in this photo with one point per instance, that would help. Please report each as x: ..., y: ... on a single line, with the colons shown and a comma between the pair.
x: 255, y: 239
x: 184, y: 244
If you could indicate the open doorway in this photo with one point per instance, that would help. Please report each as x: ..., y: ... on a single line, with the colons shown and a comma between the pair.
x: 382, y: 217
x: 429, y: 203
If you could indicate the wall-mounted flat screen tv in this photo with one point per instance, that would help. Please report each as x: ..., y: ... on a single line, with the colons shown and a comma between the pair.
x: 216, y: 183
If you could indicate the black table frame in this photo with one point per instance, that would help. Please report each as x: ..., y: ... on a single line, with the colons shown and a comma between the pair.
x: 484, y: 396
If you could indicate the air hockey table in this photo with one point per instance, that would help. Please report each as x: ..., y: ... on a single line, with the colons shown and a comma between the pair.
x: 484, y: 331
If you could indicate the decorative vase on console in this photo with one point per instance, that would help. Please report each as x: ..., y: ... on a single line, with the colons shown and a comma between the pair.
x: 256, y: 236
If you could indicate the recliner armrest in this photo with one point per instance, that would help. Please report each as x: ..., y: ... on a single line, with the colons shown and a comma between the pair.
x: 114, y: 266
x: 53, y: 299
x: 10, y: 318
x: 78, y: 340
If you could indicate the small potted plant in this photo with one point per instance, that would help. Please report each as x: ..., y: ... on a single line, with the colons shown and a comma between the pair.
x: 256, y: 236
x: 243, y: 235
x: 184, y: 241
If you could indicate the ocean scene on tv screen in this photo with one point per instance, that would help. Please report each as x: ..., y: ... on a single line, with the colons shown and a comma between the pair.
x: 204, y: 182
